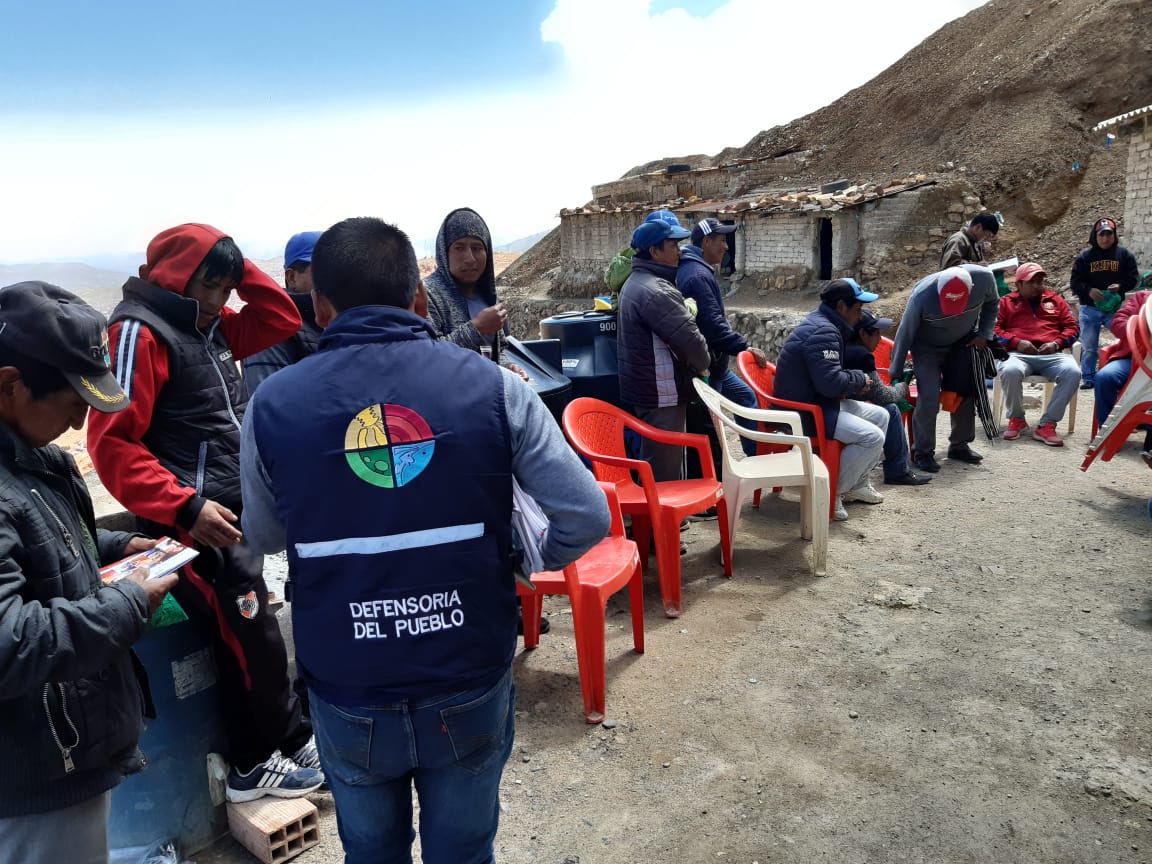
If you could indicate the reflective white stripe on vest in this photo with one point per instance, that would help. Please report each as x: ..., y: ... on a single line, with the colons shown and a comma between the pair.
x: 390, y: 542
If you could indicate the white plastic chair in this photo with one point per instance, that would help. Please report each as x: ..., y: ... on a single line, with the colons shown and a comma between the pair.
x: 998, y: 392
x: 743, y: 475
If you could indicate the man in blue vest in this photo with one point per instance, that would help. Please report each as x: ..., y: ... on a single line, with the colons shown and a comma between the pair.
x: 392, y: 491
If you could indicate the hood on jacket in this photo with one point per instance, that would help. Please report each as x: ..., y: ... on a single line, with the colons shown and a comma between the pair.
x: 175, y: 254
x: 362, y: 325
x: 464, y: 222
x: 1096, y: 227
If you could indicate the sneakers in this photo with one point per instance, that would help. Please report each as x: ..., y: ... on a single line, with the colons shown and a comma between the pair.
x: 307, y: 756
x: 964, y: 453
x: 704, y: 515
x: 926, y: 462
x: 1046, y: 432
x: 1016, y: 427
x: 840, y: 514
x: 863, y: 492
x: 1087, y: 384
x: 278, y: 776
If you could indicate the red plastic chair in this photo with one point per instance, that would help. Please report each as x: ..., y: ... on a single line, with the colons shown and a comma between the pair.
x: 589, y: 582
x: 827, y: 448
x: 883, y: 364
x: 596, y: 430
x: 1134, y: 406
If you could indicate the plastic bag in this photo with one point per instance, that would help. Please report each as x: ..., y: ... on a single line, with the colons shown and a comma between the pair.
x: 619, y: 269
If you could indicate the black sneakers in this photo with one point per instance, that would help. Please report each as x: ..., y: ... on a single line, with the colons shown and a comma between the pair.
x: 964, y: 453
x: 926, y: 462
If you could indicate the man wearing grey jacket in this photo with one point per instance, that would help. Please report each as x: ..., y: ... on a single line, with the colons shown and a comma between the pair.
x: 955, y: 306
x: 660, y: 348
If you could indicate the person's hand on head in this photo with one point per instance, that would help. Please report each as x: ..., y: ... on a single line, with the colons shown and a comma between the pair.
x: 215, y: 526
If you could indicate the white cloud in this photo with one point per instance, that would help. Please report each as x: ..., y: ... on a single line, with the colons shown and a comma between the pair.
x: 636, y: 86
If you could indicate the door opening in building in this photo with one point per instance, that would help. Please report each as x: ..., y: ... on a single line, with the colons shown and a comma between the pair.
x: 825, y: 249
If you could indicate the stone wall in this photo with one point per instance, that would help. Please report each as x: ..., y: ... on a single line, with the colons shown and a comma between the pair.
x: 885, y: 243
x: 903, y: 234
x: 705, y: 183
x: 587, y: 243
x: 1138, y: 199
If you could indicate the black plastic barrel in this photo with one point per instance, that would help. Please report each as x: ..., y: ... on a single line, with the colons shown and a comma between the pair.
x: 588, y: 352
x: 541, y: 360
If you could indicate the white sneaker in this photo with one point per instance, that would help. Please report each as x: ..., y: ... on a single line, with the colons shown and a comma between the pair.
x: 864, y: 493
x: 840, y: 515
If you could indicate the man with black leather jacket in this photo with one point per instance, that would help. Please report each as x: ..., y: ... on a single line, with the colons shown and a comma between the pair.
x: 70, y: 702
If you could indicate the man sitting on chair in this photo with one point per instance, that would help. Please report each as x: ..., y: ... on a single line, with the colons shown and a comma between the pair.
x: 1036, y: 325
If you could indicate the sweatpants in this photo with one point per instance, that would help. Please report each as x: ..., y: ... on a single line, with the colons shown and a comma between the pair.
x: 76, y: 834
x: 224, y: 593
x: 927, y: 367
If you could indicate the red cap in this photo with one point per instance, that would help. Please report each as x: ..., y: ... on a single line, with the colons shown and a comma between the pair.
x: 954, y: 285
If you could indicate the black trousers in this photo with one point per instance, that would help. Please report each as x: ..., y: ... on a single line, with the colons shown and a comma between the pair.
x: 224, y: 593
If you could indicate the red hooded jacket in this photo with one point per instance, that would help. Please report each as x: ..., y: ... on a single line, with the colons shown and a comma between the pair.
x: 126, y: 467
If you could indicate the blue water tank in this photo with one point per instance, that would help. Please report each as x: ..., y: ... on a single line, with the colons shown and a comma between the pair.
x: 171, y: 799
x: 588, y: 352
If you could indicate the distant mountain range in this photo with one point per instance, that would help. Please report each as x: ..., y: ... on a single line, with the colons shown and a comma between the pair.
x: 523, y: 244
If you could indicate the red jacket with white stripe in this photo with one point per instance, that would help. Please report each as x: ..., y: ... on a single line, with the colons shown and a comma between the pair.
x: 132, y: 451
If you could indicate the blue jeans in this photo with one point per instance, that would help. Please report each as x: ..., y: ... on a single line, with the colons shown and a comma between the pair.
x: 732, y: 386
x: 452, y: 747
x: 1110, y: 380
x: 895, y: 446
x: 1091, y: 320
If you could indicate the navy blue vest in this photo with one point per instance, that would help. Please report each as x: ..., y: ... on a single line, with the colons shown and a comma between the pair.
x: 390, y: 456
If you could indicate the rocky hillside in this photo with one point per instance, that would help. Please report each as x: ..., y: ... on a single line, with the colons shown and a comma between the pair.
x: 1004, y: 97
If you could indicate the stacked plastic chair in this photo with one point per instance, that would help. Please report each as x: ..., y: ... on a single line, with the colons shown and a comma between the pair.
x: 1134, y: 407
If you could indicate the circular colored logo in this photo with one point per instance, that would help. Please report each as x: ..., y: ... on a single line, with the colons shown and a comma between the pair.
x: 388, y: 445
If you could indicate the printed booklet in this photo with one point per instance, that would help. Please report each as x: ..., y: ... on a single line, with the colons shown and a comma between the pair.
x: 166, y: 556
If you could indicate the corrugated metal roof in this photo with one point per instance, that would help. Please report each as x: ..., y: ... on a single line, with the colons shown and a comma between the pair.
x: 1121, y: 118
x: 795, y: 201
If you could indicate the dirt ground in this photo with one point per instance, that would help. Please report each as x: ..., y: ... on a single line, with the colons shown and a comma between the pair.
x: 968, y: 684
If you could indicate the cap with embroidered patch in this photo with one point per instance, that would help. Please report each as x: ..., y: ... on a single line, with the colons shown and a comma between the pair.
x: 1105, y: 225
x: 954, y: 286
x: 46, y: 323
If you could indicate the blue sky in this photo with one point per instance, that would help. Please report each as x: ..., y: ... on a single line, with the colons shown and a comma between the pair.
x: 123, y: 118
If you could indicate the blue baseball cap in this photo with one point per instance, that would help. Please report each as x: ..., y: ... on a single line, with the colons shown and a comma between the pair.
x: 656, y: 228
x: 847, y: 290
x: 300, y: 247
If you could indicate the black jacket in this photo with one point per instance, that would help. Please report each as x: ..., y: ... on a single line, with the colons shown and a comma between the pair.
x: 659, y: 347
x: 811, y: 367
x: 1099, y: 268
x: 695, y: 279
x: 70, y: 702
x: 292, y: 350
